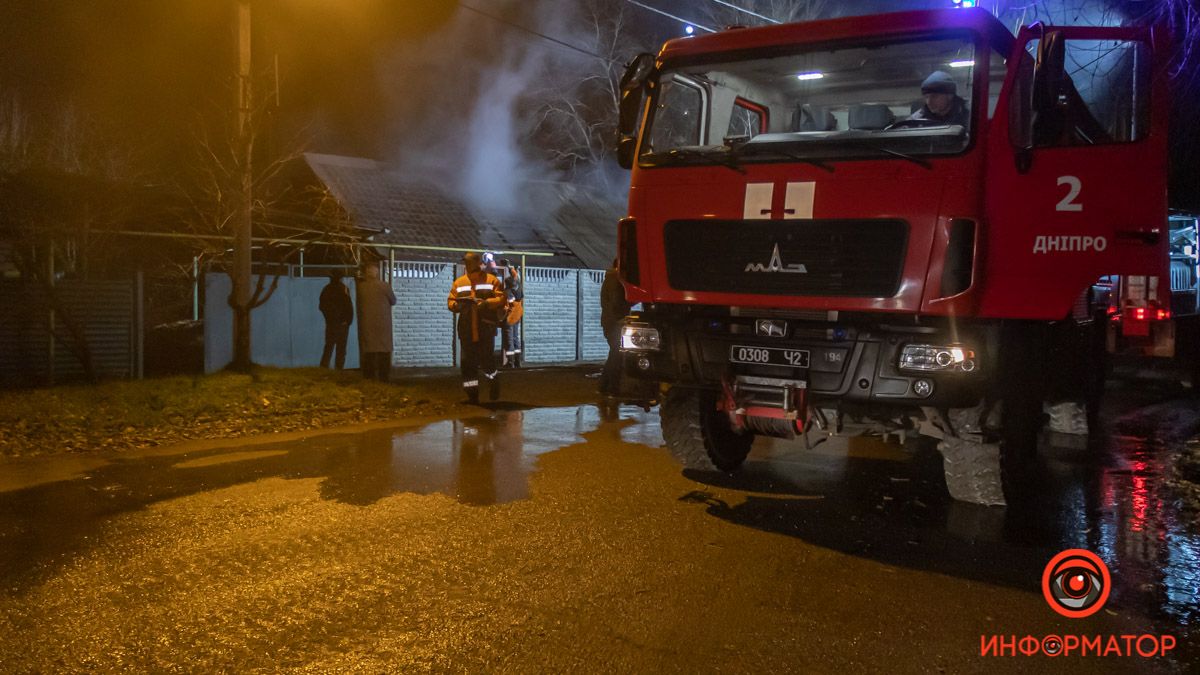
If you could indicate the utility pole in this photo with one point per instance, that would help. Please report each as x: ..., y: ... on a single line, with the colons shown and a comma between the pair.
x: 240, y: 294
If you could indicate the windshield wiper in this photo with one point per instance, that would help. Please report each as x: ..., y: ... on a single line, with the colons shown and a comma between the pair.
x: 723, y: 157
x: 738, y: 146
x: 790, y: 155
x: 888, y: 151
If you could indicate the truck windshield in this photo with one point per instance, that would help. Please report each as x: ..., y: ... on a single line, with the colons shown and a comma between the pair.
x: 895, y: 100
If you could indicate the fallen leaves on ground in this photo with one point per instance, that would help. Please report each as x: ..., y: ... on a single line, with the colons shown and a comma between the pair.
x: 115, y: 416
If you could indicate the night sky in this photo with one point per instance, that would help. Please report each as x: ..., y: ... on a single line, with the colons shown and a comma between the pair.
x: 145, y: 67
x: 364, y: 77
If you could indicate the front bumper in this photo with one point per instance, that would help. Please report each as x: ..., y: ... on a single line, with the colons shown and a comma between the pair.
x: 856, y: 363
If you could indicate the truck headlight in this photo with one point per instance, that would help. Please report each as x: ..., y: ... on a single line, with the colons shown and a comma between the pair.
x: 640, y: 337
x: 940, y: 358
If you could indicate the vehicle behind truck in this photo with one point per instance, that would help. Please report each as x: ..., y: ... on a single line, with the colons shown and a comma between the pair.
x: 815, y: 252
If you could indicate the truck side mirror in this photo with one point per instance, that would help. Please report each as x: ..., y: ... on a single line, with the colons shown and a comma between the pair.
x: 1035, y: 111
x: 626, y: 146
x: 1049, y: 72
x: 633, y: 89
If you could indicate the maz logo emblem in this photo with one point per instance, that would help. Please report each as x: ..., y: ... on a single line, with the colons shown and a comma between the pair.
x: 776, y: 265
x: 769, y: 328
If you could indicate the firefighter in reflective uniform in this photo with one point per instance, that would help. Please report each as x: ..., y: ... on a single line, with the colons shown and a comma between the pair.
x: 478, y: 299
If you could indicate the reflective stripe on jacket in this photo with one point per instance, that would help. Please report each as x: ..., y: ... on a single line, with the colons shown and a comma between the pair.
x: 488, y: 296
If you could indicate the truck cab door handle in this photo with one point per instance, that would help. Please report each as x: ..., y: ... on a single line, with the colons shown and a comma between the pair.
x: 1149, y: 237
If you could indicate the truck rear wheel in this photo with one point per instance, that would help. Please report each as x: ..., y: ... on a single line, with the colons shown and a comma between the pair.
x: 698, y: 435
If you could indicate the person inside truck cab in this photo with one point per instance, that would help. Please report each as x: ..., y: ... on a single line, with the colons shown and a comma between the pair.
x: 943, y: 105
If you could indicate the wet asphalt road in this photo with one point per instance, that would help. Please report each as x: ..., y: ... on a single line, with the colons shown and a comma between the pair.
x: 553, y: 539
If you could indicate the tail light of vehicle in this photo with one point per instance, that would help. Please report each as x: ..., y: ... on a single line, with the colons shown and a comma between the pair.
x: 1138, y: 319
x: 1151, y: 312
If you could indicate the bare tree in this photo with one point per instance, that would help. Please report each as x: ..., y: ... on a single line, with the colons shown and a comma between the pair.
x: 221, y: 178
x: 763, y: 12
x: 576, y: 113
x: 63, y: 183
x: 229, y: 169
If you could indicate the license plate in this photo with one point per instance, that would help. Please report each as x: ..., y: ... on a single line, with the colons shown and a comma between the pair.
x: 770, y: 356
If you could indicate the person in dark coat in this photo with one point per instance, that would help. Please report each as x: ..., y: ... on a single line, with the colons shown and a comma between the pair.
x: 510, y: 331
x: 943, y: 105
x: 375, y: 300
x: 338, y: 311
x: 613, y: 308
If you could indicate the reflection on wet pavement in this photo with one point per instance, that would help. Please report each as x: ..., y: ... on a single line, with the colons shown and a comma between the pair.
x: 1137, y: 528
x: 478, y: 461
x: 857, y: 496
x: 895, y: 509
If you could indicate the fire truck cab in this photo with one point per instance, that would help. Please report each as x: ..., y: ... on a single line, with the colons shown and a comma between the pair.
x: 888, y: 222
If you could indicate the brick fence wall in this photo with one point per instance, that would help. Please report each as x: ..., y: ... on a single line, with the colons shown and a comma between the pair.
x: 595, y: 347
x: 423, y: 330
x: 562, y: 319
x: 562, y: 315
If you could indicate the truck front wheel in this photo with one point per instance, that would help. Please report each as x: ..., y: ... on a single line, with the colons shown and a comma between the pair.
x: 698, y: 435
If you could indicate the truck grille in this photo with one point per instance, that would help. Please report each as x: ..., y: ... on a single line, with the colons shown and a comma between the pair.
x: 787, y: 257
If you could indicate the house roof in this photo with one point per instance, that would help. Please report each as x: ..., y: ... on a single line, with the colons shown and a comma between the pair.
x: 574, y: 223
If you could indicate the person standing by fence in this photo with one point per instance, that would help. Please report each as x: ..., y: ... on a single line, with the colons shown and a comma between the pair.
x: 510, y: 335
x: 338, y: 310
x: 478, y: 299
x: 375, y: 301
x: 613, y: 308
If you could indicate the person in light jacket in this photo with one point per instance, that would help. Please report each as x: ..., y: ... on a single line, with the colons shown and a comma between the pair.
x: 375, y: 301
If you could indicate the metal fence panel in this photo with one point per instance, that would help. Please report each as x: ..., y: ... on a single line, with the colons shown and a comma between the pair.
x: 103, y: 309
x: 287, y: 331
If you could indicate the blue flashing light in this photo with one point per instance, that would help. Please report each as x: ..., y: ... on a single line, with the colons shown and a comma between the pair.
x: 689, y: 29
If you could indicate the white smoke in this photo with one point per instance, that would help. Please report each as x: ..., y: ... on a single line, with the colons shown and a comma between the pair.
x: 464, y: 98
x: 494, y: 162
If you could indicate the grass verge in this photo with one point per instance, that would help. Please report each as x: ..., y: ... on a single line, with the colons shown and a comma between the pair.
x: 123, y: 415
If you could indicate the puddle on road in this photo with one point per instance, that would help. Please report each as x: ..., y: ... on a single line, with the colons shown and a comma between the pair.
x: 1136, y: 526
x: 229, y: 458
x: 859, y: 496
x: 891, y: 506
x: 478, y: 461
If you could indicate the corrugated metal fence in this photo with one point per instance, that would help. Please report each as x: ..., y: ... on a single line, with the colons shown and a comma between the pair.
x: 106, y: 311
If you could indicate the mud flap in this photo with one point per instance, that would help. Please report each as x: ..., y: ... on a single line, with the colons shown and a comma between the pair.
x: 643, y: 393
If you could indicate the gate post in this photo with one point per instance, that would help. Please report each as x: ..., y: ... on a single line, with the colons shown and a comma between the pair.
x: 578, y: 315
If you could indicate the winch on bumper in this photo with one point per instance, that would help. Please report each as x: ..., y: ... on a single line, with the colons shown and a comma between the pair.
x: 769, y: 368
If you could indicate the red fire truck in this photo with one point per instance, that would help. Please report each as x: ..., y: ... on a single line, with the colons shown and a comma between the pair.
x: 903, y: 222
